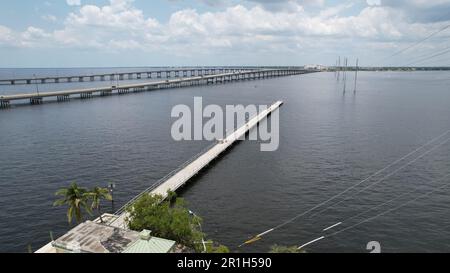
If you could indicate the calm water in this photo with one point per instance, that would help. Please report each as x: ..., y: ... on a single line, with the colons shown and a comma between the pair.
x: 329, y: 141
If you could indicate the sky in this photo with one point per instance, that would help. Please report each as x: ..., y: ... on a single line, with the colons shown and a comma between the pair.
x: 103, y: 33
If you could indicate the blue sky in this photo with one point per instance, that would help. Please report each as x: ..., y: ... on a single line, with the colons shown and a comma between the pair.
x: 65, y: 33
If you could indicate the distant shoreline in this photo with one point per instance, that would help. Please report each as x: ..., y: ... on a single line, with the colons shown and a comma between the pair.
x: 404, y: 69
x: 367, y: 68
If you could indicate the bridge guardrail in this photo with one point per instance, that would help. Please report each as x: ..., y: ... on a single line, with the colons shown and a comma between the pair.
x: 164, y: 179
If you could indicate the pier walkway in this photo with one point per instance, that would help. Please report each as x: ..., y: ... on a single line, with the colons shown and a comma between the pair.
x: 179, y: 177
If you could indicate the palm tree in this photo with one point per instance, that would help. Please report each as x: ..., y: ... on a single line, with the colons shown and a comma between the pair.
x: 96, y: 195
x: 76, y: 198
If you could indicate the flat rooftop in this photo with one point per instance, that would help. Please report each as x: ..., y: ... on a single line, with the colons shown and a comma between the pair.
x: 90, y: 237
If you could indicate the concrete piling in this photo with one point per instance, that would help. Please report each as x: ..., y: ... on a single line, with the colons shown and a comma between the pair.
x: 4, y: 104
x: 36, y: 101
x: 63, y: 98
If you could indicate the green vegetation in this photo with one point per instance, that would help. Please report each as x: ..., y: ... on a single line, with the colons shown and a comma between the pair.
x: 97, y: 195
x: 170, y: 219
x: 212, y: 247
x: 285, y: 249
x: 77, y: 198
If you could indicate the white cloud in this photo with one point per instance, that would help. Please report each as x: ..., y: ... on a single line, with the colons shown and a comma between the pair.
x: 120, y: 26
x: 73, y: 2
x: 5, y: 34
x: 119, y: 14
x: 34, y: 37
x: 422, y: 10
x: 373, y: 2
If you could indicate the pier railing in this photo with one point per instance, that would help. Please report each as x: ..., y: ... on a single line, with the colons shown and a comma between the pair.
x: 164, y: 179
x: 161, y: 181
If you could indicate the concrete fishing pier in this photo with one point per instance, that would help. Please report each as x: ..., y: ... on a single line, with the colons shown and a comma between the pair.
x: 181, y: 176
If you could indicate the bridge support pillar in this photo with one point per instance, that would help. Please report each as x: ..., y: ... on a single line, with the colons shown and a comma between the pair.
x: 158, y: 75
x: 106, y: 93
x: 63, y: 98
x: 4, y: 104
x: 36, y: 101
x: 151, y: 87
x: 86, y: 95
x: 122, y: 91
x: 80, y: 79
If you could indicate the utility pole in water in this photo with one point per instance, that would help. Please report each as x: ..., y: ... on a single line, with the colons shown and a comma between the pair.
x: 339, y: 69
x: 336, y: 69
x: 356, y: 73
x: 345, y: 74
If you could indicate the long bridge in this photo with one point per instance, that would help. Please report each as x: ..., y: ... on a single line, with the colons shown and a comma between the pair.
x: 131, y: 75
x: 87, y: 93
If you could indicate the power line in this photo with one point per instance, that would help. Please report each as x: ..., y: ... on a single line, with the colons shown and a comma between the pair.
x: 381, y: 179
x: 259, y: 236
x: 428, y: 54
x: 439, y: 61
x: 380, y: 214
x: 419, y: 42
x: 430, y: 57
x: 387, y: 202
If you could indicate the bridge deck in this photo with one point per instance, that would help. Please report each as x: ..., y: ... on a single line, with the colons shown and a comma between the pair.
x: 223, y: 77
x: 183, y: 174
x: 168, y: 72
